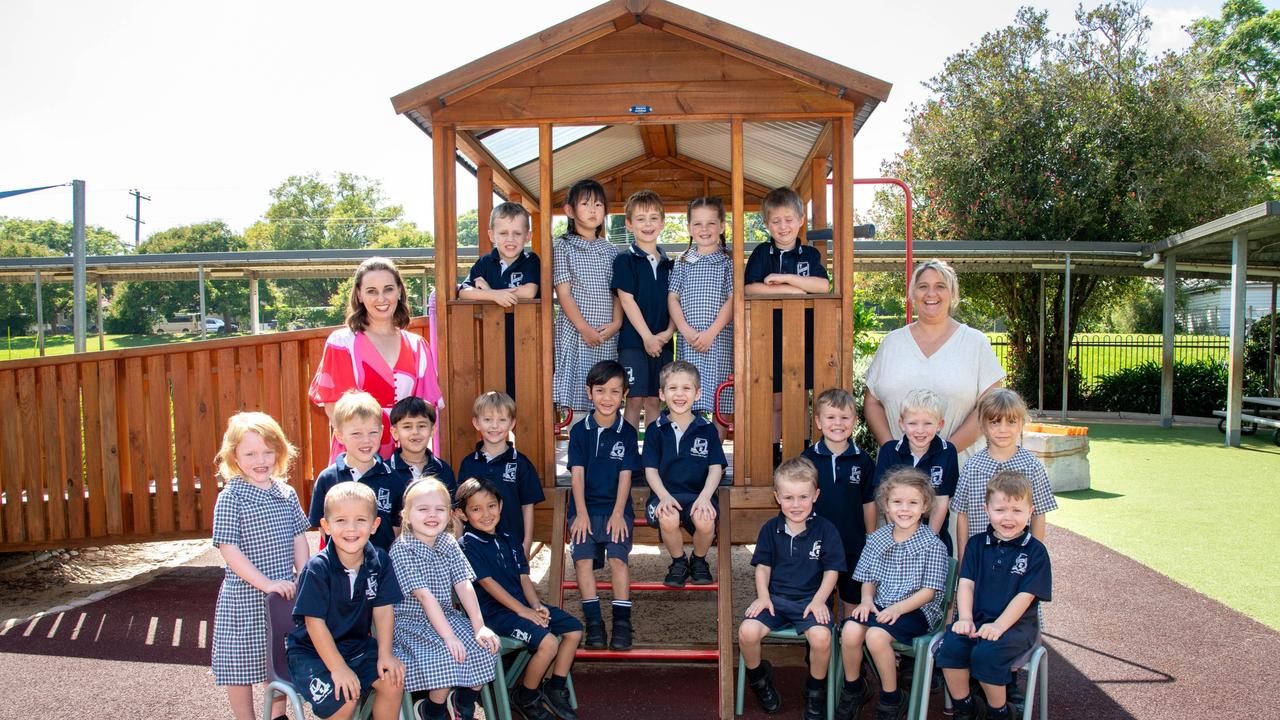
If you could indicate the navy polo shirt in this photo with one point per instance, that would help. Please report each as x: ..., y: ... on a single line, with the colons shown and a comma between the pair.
x: 387, y: 485
x: 324, y: 591
x: 939, y: 463
x: 1000, y: 569
x: 516, y: 478
x: 634, y: 273
x: 844, y: 485
x: 682, y: 465
x: 797, y: 562
x: 804, y: 260
x: 433, y: 466
x: 603, y: 453
x: 497, y: 557
x: 525, y: 270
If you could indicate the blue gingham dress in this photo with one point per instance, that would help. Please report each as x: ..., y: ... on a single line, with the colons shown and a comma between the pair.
x: 262, y: 523
x: 588, y: 268
x: 427, y: 662
x: 902, y: 569
x: 703, y: 283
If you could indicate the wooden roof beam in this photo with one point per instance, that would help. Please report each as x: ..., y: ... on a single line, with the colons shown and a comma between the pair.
x: 820, y: 151
x: 659, y: 140
x: 752, y: 187
x: 614, y: 173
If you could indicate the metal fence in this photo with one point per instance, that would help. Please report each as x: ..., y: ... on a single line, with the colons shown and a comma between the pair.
x: 1098, y: 354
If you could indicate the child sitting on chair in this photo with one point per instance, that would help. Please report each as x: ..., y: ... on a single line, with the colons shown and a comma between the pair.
x: 798, y: 555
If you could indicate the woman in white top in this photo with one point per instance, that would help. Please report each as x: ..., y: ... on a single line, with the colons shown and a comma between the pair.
x: 936, y: 352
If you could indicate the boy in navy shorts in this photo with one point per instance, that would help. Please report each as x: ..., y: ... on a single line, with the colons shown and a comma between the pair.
x: 1004, y: 576
x: 844, y: 476
x: 640, y: 279
x: 507, y: 274
x: 602, y: 457
x: 683, y: 464
x: 342, y: 590
x: 357, y: 422
x: 798, y: 555
x: 511, y: 608
x: 498, y: 461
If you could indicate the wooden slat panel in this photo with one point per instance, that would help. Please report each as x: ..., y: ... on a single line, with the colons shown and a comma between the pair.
x: 159, y: 449
x: 206, y: 433
x: 72, y: 440
x: 184, y: 441
x: 529, y: 399
x: 794, y: 402
x: 759, y: 344
x: 826, y: 339
x: 689, y: 63
x: 290, y: 409
x: 270, y: 389
x: 94, y: 449
x: 463, y: 377
x: 137, y: 481
x: 248, y: 396
x: 29, y: 457
x: 10, y: 460
x: 53, y: 475
x: 225, y: 381
x: 493, y: 348
x: 113, y: 495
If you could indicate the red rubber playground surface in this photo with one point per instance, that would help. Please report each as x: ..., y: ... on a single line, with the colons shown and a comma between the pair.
x: 1124, y: 642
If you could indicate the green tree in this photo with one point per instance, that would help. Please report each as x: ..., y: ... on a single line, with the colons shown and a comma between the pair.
x: 1032, y: 136
x: 469, y: 229
x: 1241, y: 50
x: 138, y: 305
x: 20, y: 237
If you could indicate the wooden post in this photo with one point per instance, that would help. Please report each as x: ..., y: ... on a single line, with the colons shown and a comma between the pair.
x: 442, y: 157
x: 741, y: 419
x: 484, y: 205
x: 819, y: 192
x: 545, y: 210
x: 842, y: 202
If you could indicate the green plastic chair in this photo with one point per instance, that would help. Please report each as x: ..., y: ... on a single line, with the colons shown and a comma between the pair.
x: 504, y: 680
x: 789, y: 635
x: 1035, y: 661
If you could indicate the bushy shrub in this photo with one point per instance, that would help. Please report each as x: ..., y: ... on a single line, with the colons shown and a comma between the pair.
x: 1199, y: 388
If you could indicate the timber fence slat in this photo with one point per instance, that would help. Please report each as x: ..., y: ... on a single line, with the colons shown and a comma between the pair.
x: 52, y: 476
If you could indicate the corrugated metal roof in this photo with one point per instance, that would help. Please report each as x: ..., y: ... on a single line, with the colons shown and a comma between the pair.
x: 517, y: 146
x: 772, y: 151
x: 588, y: 156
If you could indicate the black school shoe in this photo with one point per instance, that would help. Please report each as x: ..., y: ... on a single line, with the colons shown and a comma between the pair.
x: 892, y: 712
x: 621, y: 635
x: 677, y: 572
x: 700, y: 571
x: 766, y: 693
x: 815, y: 704
x: 530, y: 708
x: 596, y: 638
x: 850, y: 704
x: 558, y: 700
x: 977, y: 710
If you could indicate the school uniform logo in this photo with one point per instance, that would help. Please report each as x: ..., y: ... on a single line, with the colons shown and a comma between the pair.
x: 619, y: 451
x: 384, y: 499
x: 631, y: 374
x: 371, y: 588
x: 319, y: 690
x: 509, y: 472
x: 855, y: 475
x: 815, y: 552
x: 699, y: 448
x: 1019, y: 565
x: 515, y: 280
x: 802, y: 269
x: 521, y: 635
x: 935, y: 475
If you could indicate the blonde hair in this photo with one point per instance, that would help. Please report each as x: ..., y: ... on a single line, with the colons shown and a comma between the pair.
x: 268, y: 429
x: 948, y: 276
x: 348, y: 490
x: 355, y: 405
x: 905, y: 477
x: 1011, y: 484
x: 423, y: 486
x: 1001, y: 404
x: 494, y: 400
x: 923, y: 400
x: 838, y: 398
x: 783, y: 198
x: 643, y: 200
x: 797, y: 469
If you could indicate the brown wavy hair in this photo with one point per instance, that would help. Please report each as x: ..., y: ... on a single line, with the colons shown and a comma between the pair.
x: 357, y: 315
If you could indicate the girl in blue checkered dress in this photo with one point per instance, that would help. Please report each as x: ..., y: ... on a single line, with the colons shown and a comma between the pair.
x: 701, y: 301
x: 441, y: 647
x: 259, y: 528
x: 590, y: 316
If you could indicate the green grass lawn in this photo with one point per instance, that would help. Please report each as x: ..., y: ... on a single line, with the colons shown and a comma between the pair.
x: 17, y: 348
x: 1181, y: 503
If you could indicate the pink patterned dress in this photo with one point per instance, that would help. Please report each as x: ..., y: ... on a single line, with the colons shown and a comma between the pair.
x: 350, y: 360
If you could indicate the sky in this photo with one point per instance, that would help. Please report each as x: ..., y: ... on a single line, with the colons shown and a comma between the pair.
x: 206, y: 107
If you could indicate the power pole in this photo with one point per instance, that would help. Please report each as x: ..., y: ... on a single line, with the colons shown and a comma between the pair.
x: 138, y: 197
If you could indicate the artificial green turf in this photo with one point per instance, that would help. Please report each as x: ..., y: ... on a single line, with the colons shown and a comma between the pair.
x: 1181, y: 503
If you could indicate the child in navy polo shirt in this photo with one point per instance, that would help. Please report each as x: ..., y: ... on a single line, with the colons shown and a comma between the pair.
x: 342, y: 592
x: 921, y: 447
x: 357, y: 423
x: 602, y: 457
x: 798, y: 556
x: 1004, y: 576
x: 640, y: 280
x: 783, y: 266
x: 412, y: 423
x: 844, y: 477
x: 683, y: 463
x: 511, y: 608
x: 507, y: 274
x: 498, y: 461
x: 903, y: 571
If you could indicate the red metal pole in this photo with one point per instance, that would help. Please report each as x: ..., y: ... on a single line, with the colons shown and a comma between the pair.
x: 906, y: 189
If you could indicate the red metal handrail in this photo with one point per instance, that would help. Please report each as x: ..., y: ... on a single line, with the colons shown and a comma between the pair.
x: 715, y: 405
x: 910, y: 203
